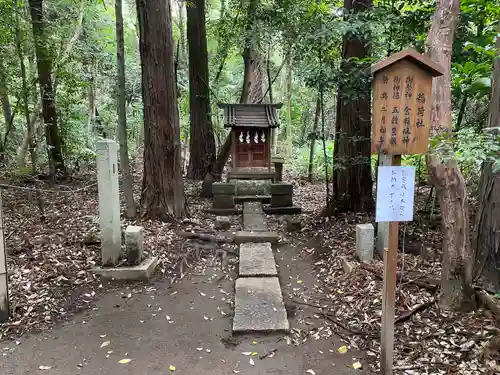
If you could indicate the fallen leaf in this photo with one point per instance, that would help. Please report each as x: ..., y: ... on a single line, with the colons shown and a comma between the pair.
x: 342, y: 349
x: 246, y: 353
x: 124, y: 361
x: 105, y: 343
x: 357, y: 365
x: 311, y: 372
x: 299, y: 281
x: 171, y: 368
x: 254, y: 354
x: 44, y: 367
x: 252, y: 362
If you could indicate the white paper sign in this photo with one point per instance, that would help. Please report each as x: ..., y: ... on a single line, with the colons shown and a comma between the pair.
x: 395, y: 194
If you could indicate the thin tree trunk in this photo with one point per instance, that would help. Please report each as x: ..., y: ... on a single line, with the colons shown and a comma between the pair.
x: 461, y: 112
x: 44, y: 67
x: 202, y: 151
x: 4, y: 94
x: 486, y: 241
x: 162, y: 188
x: 444, y: 174
x: 29, y: 134
x: 128, y: 192
x: 268, y: 72
x: 91, y: 98
x: 182, y: 32
x: 352, y: 181
x: 317, y: 113
x: 288, y: 134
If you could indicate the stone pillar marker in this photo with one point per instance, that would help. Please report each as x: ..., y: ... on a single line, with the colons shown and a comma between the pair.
x: 4, y: 290
x: 134, y: 244
x: 364, y: 242
x: 109, y: 201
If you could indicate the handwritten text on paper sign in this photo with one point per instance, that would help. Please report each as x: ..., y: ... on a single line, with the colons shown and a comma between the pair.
x: 395, y: 194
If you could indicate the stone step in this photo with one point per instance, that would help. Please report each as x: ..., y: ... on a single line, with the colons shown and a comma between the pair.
x: 259, y: 306
x: 255, y: 237
x: 247, y: 198
x: 252, y: 208
x: 257, y: 259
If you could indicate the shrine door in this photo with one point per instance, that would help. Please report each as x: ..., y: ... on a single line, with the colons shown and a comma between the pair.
x: 252, y: 147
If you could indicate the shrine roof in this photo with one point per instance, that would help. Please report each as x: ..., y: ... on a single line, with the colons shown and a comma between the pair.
x: 423, y: 61
x: 251, y: 115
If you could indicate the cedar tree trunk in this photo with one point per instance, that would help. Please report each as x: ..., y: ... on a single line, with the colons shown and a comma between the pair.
x: 486, y: 242
x: 201, y: 141
x: 313, y: 139
x: 162, y: 187
x: 444, y: 174
x: 352, y: 181
x: 44, y: 67
x: 128, y: 193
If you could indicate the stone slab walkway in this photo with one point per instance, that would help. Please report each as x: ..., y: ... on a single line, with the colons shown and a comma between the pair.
x: 259, y: 305
x: 257, y: 259
x: 258, y: 300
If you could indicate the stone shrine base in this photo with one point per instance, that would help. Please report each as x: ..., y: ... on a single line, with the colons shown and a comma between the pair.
x: 141, y: 272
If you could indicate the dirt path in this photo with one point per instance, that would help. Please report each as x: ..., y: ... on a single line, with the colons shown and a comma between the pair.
x: 186, y: 325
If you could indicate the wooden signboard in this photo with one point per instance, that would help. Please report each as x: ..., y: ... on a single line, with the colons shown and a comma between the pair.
x: 402, y: 86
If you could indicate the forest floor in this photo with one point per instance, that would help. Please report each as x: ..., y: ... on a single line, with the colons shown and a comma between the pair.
x: 57, y: 302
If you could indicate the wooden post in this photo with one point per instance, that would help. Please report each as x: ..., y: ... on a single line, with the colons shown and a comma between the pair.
x: 402, y: 86
x: 4, y: 289
x: 383, y: 228
x: 389, y: 294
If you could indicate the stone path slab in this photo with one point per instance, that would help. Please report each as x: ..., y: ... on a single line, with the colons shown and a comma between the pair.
x: 257, y: 259
x: 259, y: 306
x: 254, y: 223
x: 255, y: 237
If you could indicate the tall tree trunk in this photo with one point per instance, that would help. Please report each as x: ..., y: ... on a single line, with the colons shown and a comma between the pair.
x: 444, y: 174
x: 313, y: 139
x: 92, y: 97
x: 4, y: 94
x: 253, y: 78
x: 128, y: 192
x: 252, y: 92
x: 202, y: 152
x: 29, y: 137
x: 486, y: 241
x: 44, y: 67
x: 352, y: 181
x: 288, y: 133
x: 162, y: 187
x: 182, y: 31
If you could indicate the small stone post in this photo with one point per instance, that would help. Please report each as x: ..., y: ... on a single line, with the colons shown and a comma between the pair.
x: 364, y: 242
x: 4, y: 290
x: 278, y: 167
x: 134, y: 244
x: 109, y: 201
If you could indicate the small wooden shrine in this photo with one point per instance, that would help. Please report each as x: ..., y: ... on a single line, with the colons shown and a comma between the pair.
x: 251, y: 136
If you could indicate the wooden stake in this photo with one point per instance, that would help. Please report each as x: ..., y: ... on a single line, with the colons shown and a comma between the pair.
x: 4, y: 290
x: 389, y: 294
